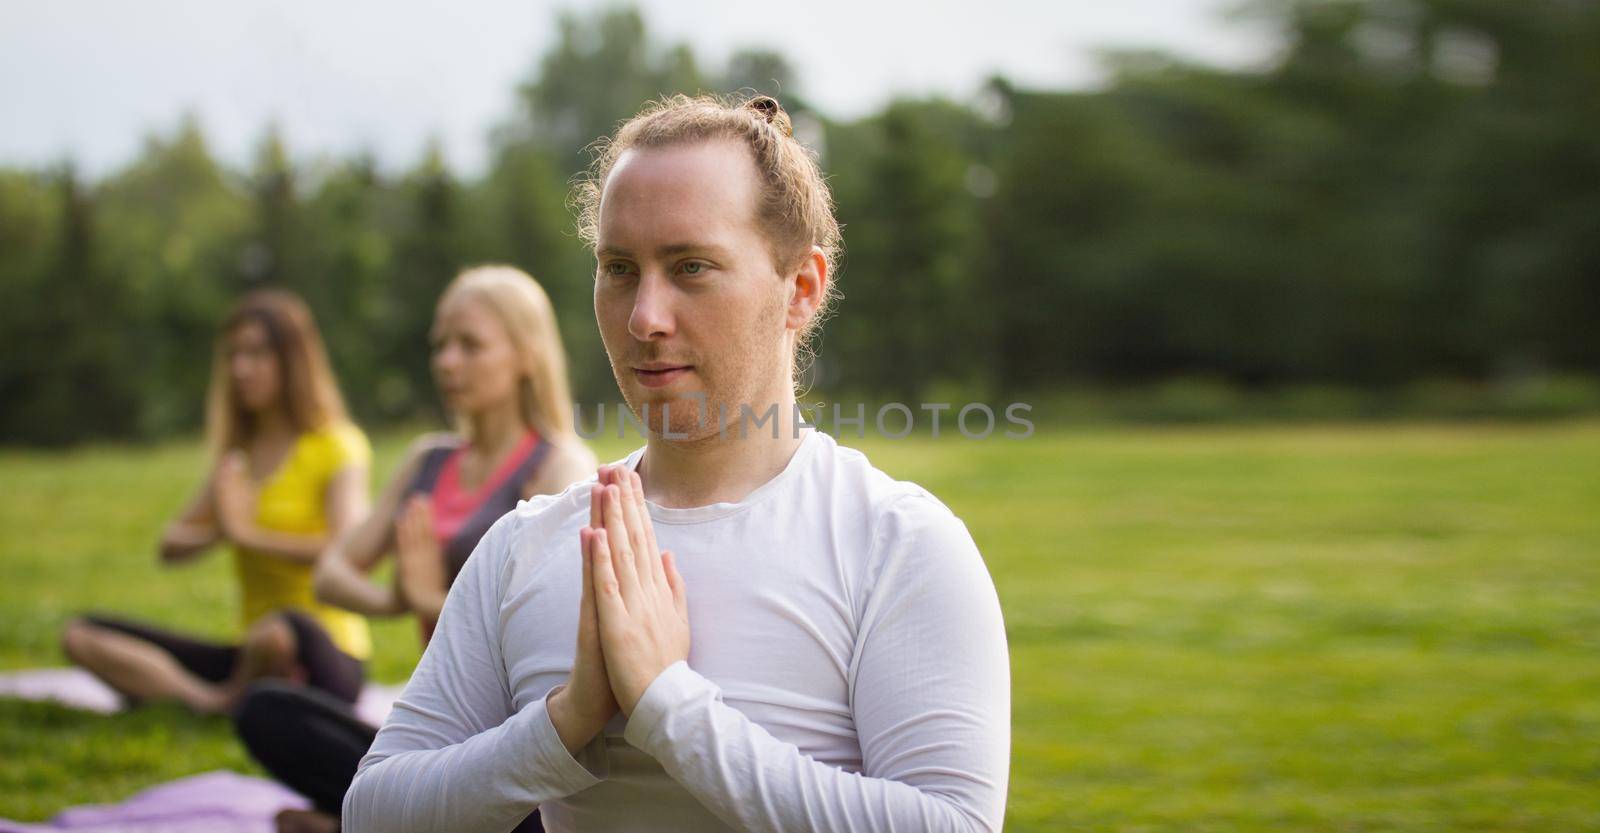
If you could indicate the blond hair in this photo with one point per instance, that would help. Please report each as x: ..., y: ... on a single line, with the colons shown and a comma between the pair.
x: 511, y: 295
x: 796, y: 208
x: 307, y: 388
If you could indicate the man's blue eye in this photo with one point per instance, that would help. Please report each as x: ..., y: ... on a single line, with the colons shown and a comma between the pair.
x: 693, y: 267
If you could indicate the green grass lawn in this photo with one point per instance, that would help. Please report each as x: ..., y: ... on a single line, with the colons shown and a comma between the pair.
x: 1350, y: 629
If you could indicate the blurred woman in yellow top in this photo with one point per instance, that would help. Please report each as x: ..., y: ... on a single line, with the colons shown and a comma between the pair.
x: 289, y: 474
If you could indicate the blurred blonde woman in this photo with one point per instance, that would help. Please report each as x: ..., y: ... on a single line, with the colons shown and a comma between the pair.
x: 288, y: 474
x: 501, y: 370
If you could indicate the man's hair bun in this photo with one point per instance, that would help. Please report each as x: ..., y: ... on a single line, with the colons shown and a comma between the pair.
x: 772, y: 112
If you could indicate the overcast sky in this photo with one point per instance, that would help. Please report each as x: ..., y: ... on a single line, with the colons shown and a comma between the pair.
x: 89, y: 79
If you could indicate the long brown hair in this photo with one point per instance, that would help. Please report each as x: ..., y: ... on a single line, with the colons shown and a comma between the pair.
x: 544, y: 399
x: 309, y: 392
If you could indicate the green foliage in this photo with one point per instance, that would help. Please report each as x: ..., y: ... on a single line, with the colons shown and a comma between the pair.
x: 914, y: 315
x: 1405, y: 194
x: 600, y: 71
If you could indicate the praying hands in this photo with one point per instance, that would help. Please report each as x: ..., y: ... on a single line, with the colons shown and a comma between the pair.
x: 633, y: 616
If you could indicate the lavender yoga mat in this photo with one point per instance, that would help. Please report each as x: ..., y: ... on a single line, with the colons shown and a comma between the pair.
x: 78, y: 689
x: 215, y: 802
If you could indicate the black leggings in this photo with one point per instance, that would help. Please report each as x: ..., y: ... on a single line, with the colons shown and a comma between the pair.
x: 311, y: 742
x: 327, y: 667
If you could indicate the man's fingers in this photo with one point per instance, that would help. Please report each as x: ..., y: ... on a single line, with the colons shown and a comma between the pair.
x: 607, y: 592
x: 597, y: 496
x: 630, y: 513
x: 680, y: 594
x: 644, y: 513
x: 643, y: 557
x: 616, y: 539
x: 586, y: 600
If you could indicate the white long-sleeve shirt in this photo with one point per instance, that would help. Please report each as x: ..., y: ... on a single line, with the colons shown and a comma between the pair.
x: 847, y: 671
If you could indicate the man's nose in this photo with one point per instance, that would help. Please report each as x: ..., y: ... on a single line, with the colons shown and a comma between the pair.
x: 652, y: 308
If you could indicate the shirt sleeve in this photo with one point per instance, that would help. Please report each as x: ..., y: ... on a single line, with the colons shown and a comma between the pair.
x: 454, y: 755
x: 347, y: 446
x: 930, y: 695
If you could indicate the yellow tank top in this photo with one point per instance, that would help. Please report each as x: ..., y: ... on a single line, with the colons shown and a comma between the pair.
x: 292, y: 500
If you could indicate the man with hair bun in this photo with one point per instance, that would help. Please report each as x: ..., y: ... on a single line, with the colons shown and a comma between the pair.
x: 731, y: 628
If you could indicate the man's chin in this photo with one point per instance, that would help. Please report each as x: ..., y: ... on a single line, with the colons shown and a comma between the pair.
x: 658, y: 411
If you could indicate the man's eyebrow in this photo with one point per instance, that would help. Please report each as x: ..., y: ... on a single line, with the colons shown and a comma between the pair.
x: 664, y: 251
x: 680, y: 248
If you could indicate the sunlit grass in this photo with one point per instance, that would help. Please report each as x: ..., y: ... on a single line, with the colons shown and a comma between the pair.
x: 1364, y: 628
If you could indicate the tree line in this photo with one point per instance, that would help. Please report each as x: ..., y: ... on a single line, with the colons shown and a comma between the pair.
x: 1408, y: 190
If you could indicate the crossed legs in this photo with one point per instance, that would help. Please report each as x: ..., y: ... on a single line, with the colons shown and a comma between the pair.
x: 145, y: 663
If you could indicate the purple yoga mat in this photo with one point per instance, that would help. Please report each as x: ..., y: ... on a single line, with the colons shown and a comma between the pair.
x: 215, y: 802
x: 78, y: 689
x: 71, y: 687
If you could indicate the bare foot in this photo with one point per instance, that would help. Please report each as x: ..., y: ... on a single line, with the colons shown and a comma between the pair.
x: 215, y: 701
x: 306, y: 821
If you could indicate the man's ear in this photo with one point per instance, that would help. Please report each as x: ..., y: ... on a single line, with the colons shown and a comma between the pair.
x: 810, y: 287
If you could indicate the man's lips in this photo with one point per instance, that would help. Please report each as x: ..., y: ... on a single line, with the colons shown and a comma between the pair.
x: 660, y: 375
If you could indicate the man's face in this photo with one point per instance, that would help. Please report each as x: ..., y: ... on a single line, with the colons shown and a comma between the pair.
x: 686, y: 293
